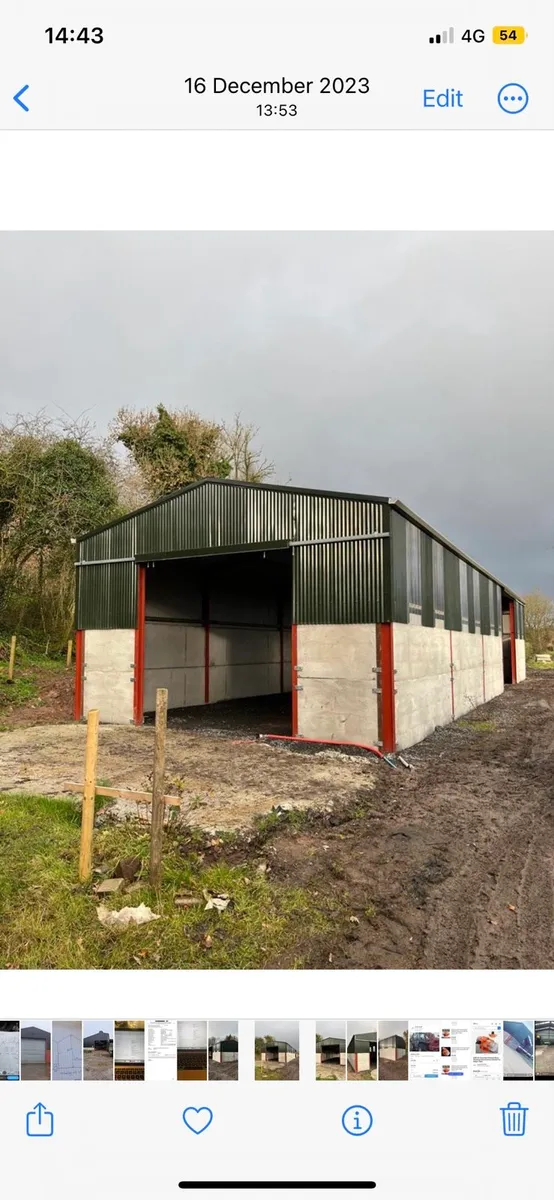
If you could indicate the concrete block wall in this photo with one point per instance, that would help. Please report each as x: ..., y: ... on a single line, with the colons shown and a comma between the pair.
x: 428, y: 693
x: 422, y: 681
x: 247, y: 662
x: 336, y: 674
x: 174, y: 659
x: 108, y: 674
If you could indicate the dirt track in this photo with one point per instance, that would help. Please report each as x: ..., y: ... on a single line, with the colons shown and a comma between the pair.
x: 451, y: 864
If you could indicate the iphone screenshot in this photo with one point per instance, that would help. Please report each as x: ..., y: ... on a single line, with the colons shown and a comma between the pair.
x: 276, y: 600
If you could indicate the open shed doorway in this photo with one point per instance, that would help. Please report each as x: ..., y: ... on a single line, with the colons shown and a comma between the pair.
x: 217, y: 635
x: 508, y: 639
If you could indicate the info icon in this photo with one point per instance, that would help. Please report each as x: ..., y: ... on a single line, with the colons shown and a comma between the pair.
x: 357, y: 1120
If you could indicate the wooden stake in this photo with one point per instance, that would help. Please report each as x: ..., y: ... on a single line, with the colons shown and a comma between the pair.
x: 69, y: 653
x: 12, y: 659
x: 89, y: 795
x: 158, y: 789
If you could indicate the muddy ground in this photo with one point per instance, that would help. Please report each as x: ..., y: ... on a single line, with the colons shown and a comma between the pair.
x: 451, y: 864
x: 447, y: 865
x: 227, y: 1070
x: 544, y: 1062
x: 97, y: 1064
x: 224, y: 784
x: 393, y: 1070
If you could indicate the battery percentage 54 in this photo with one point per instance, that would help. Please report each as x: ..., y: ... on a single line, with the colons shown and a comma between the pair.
x: 509, y: 35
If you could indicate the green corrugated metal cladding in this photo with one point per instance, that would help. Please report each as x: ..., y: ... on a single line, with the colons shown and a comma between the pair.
x: 356, y: 559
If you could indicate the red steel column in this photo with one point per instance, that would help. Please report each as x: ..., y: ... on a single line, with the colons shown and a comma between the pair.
x: 388, y: 697
x: 452, y: 692
x: 513, y: 640
x: 138, y: 697
x: 294, y: 665
x: 484, y: 678
x: 79, y: 672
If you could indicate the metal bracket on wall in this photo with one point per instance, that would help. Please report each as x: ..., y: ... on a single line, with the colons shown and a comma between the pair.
x: 298, y: 687
x: 378, y: 670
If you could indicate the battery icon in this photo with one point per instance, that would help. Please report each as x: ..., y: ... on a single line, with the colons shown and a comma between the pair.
x: 509, y: 35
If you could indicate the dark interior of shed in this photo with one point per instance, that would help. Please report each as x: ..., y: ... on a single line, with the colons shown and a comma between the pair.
x: 218, y: 637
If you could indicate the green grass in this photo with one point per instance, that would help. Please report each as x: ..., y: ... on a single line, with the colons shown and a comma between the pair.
x: 24, y: 686
x: 48, y: 919
x: 540, y: 666
x: 479, y: 726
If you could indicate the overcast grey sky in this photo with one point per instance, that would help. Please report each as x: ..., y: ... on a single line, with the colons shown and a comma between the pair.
x: 282, y: 1031
x: 418, y: 366
x: 103, y: 1026
x: 220, y: 1029
x: 335, y: 1029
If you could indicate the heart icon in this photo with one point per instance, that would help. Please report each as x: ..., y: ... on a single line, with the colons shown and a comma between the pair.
x: 197, y: 1119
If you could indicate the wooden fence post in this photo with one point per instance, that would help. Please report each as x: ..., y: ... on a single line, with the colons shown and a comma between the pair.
x: 69, y: 653
x: 158, y: 806
x: 89, y: 796
x: 12, y: 659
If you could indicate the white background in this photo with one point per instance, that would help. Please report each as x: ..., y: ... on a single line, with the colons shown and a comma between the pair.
x: 423, y: 181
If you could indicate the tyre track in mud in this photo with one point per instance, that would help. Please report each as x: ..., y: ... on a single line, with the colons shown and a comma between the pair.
x: 452, y: 866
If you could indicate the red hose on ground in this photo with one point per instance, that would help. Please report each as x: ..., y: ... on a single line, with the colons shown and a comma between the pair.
x: 282, y: 737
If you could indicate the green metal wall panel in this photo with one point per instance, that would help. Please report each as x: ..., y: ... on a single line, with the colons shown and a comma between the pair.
x: 427, y: 605
x: 399, y: 568
x: 452, y: 600
x: 106, y: 596
x: 348, y: 581
x: 470, y: 596
x: 337, y: 582
x: 340, y: 583
x: 485, y: 605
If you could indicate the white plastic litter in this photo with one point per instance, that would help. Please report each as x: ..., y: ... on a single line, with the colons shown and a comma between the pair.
x: 126, y: 916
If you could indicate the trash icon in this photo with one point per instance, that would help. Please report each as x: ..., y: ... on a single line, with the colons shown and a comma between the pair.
x: 514, y: 1118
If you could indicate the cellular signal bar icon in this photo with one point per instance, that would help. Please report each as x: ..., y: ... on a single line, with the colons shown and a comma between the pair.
x: 440, y: 39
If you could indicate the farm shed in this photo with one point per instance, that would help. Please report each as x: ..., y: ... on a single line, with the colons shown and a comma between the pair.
x: 331, y: 1050
x: 226, y: 1050
x: 280, y: 1052
x: 348, y: 610
x: 393, y: 1047
x: 362, y: 1052
x: 35, y: 1046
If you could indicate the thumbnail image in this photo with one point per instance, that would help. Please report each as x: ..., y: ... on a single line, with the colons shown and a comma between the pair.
x: 518, y: 1050
x: 330, y: 1050
x: 393, y: 1049
x: 36, y: 1049
x: 361, y: 1041
x: 67, y: 1050
x: 9, y: 1050
x: 98, y: 1049
x: 192, y: 1049
x: 277, y: 1050
x: 129, y: 1050
x: 544, y: 1049
x: 428, y: 1050
x: 487, y: 1043
x: 423, y: 1040
x: 223, y: 1050
x: 161, y: 1050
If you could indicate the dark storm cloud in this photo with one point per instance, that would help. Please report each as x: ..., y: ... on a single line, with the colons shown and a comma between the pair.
x: 410, y: 365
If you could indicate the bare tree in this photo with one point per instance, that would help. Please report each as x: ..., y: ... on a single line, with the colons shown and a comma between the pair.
x: 246, y: 460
